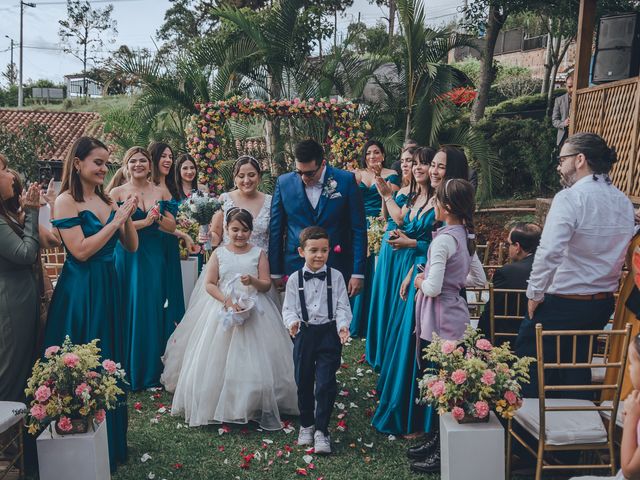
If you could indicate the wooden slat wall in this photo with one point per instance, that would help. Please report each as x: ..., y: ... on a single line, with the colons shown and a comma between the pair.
x: 611, y: 111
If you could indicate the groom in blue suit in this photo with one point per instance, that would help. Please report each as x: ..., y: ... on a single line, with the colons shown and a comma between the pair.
x: 317, y: 194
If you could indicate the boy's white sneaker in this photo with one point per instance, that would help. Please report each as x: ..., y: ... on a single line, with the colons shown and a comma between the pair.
x: 305, y: 437
x: 321, y: 443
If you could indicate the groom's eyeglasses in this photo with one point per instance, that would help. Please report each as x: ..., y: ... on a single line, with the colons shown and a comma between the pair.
x: 308, y: 173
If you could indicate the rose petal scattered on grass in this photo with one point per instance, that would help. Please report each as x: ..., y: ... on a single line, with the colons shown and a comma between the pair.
x: 369, y: 445
x: 342, y: 426
x: 266, y: 440
x: 307, y: 459
x: 341, y: 415
x: 145, y: 457
x: 301, y: 471
x: 177, y: 466
x: 343, y: 393
x: 391, y: 437
x: 154, y: 420
x: 352, y: 405
x: 137, y: 406
x: 340, y: 406
x: 221, y: 448
x: 362, y: 359
x: 151, y: 475
x: 279, y: 453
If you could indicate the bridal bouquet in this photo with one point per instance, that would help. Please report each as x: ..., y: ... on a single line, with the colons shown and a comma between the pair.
x: 375, y: 232
x: 71, y: 386
x: 471, y: 377
x: 186, y: 225
x: 200, y: 208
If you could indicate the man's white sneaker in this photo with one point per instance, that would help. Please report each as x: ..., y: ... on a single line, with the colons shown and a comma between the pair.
x: 321, y: 443
x: 305, y: 437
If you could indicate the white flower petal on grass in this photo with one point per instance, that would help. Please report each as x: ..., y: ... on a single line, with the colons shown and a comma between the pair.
x: 153, y: 420
x: 307, y: 459
x: 288, y: 429
x: 151, y: 475
x: 340, y: 406
x: 391, y: 438
x: 145, y: 457
x: 369, y: 371
x: 267, y: 441
x: 162, y: 410
x: 353, y: 405
x: 220, y: 431
x: 369, y: 445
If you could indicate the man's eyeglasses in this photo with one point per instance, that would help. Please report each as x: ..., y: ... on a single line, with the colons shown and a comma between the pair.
x: 562, y: 157
x: 308, y: 173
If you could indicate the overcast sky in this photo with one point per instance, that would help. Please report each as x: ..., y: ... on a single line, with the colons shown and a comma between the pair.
x: 138, y: 21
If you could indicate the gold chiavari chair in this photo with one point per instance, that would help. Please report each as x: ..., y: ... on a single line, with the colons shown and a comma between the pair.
x: 505, y: 318
x: 483, y: 252
x: 565, y: 424
x: 11, y: 440
x: 477, y: 300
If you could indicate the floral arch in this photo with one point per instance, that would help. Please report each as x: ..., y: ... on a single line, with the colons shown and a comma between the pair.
x: 205, y: 134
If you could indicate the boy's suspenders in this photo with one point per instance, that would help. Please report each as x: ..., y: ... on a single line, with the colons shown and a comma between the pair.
x: 303, y: 302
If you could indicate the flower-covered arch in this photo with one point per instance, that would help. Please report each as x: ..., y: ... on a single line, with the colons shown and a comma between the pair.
x: 205, y: 133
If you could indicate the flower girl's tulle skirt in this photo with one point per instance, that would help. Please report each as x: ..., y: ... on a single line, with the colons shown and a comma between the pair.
x: 237, y: 375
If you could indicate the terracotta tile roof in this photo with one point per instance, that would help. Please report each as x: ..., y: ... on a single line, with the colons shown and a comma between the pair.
x: 64, y: 127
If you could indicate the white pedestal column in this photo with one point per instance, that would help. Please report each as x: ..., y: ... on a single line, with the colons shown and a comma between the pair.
x: 189, y: 269
x: 83, y: 456
x: 471, y: 450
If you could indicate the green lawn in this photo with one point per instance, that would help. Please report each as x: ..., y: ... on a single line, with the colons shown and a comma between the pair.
x: 178, y: 451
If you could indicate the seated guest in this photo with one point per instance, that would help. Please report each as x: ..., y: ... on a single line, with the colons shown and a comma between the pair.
x: 577, y: 266
x: 523, y: 241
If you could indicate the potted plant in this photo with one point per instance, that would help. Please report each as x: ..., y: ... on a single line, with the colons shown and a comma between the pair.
x: 471, y: 377
x: 71, y: 387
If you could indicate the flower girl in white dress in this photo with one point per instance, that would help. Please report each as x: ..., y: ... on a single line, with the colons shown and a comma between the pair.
x: 237, y: 362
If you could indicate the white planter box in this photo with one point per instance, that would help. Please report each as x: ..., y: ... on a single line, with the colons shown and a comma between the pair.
x: 189, y: 269
x: 83, y: 456
x: 471, y: 450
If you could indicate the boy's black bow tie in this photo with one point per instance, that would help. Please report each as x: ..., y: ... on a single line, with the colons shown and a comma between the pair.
x: 320, y: 275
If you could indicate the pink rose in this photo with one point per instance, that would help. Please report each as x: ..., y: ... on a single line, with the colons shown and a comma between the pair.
x: 71, y: 360
x: 459, y: 376
x: 488, y: 377
x: 110, y: 366
x: 42, y: 393
x: 337, y: 249
x: 458, y: 413
x: 448, y: 347
x: 92, y: 374
x: 51, y: 351
x: 437, y: 388
x: 510, y: 397
x: 64, y: 424
x: 482, y: 409
x: 38, y: 412
x: 99, y: 416
x: 484, y: 344
x: 81, y: 388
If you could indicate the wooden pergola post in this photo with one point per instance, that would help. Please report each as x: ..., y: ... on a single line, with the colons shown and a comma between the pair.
x: 586, y: 26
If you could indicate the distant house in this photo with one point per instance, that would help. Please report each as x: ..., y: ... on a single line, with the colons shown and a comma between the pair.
x: 76, y: 84
x: 64, y: 127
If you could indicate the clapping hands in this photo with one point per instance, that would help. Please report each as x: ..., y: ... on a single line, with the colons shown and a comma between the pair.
x: 30, y: 197
x: 383, y: 187
x: 124, y: 211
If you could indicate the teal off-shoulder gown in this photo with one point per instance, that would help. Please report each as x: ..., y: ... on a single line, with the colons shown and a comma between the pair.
x: 393, y: 266
x: 86, y: 305
x: 397, y: 412
x: 142, y: 275
x: 362, y: 301
x: 174, y: 310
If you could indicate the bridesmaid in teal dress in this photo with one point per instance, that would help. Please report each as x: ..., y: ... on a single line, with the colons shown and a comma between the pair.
x: 164, y: 175
x: 392, y: 266
x: 397, y: 412
x: 372, y: 162
x: 86, y: 302
x: 142, y: 273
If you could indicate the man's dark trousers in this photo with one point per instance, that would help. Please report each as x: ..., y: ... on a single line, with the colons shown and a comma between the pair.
x: 557, y: 313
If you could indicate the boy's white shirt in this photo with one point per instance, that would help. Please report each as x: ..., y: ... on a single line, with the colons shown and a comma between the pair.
x: 315, y: 293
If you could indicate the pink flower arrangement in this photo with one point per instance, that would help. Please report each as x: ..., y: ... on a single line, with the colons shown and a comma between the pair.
x: 488, y: 377
x: 72, y: 382
x: 458, y: 413
x: 337, y: 249
x: 459, y: 377
x: 481, y: 408
x: 448, y: 346
x: 110, y: 366
x: 64, y: 424
x: 71, y: 360
x: 471, y: 377
x: 51, y: 351
x: 43, y: 393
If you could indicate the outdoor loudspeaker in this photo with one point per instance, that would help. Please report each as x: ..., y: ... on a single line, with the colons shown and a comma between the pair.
x: 617, y: 49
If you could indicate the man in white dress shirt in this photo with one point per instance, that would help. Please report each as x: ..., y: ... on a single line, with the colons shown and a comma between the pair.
x: 577, y: 266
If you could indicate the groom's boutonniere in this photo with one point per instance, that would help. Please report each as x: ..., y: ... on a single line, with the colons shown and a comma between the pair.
x: 329, y: 189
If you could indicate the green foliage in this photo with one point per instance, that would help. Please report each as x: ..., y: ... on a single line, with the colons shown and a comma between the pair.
x: 525, y: 149
x: 529, y: 104
x: 471, y: 68
x: 23, y: 148
x: 374, y: 40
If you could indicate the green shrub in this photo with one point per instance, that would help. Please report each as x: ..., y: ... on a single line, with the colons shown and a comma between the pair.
x: 526, y: 153
x: 528, y: 105
x: 25, y: 147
